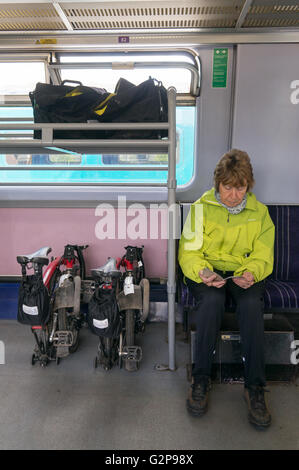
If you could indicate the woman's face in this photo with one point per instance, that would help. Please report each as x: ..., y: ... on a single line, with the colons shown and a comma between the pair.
x: 230, y: 195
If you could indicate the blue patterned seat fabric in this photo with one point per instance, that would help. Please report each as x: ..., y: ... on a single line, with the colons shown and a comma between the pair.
x: 282, y: 287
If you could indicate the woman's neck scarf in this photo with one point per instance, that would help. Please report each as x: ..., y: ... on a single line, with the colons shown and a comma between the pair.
x: 232, y: 210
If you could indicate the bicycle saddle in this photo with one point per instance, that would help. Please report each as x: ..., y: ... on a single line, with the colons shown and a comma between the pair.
x: 108, y: 269
x: 39, y: 256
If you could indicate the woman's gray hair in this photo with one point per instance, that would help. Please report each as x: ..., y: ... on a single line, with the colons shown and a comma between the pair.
x: 234, y: 168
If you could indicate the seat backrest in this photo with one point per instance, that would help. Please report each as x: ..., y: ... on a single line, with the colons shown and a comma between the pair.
x: 286, y: 250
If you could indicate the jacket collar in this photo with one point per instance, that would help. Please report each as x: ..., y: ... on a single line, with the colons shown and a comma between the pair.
x: 209, y: 198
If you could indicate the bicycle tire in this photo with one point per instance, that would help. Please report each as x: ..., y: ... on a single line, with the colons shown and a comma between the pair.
x: 130, y: 339
x: 77, y: 295
x: 107, y: 353
x: 108, y: 348
x: 75, y: 344
x: 62, y: 319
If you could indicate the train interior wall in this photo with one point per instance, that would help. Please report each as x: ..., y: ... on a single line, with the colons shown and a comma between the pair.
x: 258, y: 112
x: 74, y: 407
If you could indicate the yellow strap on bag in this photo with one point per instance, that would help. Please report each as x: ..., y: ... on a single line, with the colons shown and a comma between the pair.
x: 74, y: 92
x: 99, y: 110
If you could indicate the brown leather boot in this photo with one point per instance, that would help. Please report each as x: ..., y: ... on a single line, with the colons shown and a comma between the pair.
x: 197, y: 401
x: 259, y: 414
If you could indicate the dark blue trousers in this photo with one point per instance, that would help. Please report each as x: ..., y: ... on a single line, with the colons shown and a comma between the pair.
x: 249, y: 310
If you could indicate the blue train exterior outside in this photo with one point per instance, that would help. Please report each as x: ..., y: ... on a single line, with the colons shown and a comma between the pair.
x: 184, y: 170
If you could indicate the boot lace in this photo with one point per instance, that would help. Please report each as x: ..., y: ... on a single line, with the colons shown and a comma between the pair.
x: 200, y: 388
x: 257, y: 397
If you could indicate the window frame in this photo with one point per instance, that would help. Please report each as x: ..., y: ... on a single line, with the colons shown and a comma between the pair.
x: 182, y: 99
x: 55, y: 65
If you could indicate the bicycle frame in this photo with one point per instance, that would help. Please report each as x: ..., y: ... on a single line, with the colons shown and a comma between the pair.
x: 52, y: 278
x: 133, y: 263
x: 50, y: 270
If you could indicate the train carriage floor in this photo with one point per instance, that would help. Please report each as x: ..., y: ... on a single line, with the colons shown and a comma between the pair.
x: 75, y: 406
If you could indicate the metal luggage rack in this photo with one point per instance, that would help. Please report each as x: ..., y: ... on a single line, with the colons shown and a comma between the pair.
x: 29, y: 145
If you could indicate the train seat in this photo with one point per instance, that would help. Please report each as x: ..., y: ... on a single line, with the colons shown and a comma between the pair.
x: 282, y: 287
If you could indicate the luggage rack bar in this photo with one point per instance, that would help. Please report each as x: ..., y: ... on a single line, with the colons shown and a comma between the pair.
x: 91, y: 146
x: 82, y: 125
x: 82, y: 183
x: 80, y: 168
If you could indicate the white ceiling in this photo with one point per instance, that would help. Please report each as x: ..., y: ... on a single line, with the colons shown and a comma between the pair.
x: 117, y: 15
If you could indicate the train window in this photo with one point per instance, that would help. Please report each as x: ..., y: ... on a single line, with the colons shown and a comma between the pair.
x: 19, y: 77
x: 104, y: 70
x: 43, y: 159
x: 90, y: 167
x: 61, y: 167
x: 64, y: 159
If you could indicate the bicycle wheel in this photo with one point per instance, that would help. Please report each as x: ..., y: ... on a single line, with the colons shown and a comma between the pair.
x: 130, y: 365
x: 74, y: 321
x: 75, y: 331
x: 107, y: 352
x: 61, y: 335
x: 62, y: 319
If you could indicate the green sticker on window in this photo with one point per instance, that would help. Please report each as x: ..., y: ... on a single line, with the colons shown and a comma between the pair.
x: 220, y: 59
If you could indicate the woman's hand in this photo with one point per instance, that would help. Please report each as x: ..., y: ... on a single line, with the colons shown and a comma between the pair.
x: 245, y: 281
x: 211, y: 281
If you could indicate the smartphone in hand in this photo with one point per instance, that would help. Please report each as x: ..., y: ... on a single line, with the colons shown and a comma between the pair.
x: 208, y: 273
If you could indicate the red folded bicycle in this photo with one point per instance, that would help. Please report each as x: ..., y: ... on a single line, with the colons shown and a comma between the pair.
x: 50, y: 299
x: 118, y: 309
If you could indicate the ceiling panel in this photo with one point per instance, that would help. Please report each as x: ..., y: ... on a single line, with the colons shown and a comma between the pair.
x: 123, y: 15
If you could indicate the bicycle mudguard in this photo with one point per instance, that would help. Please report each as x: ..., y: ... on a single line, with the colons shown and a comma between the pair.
x: 65, y: 295
x: 145, y: 286
x: 77, y: 295
x: 130, y: 301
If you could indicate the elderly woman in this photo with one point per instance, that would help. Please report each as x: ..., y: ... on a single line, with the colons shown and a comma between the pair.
x: 229, y: 233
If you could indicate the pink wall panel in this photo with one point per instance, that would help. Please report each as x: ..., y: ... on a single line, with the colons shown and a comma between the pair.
x: 25, y: 230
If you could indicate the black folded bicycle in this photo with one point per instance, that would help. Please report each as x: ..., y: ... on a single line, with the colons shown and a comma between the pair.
x: 118, y: 309
x: 50, y: 299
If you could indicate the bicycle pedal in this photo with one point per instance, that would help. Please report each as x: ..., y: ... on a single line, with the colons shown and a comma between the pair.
x: 132, y: 353
x: 63, y: 339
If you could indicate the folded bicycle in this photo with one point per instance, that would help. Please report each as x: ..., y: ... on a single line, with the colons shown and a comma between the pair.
x: 118, y: 309
x: 50, y: 300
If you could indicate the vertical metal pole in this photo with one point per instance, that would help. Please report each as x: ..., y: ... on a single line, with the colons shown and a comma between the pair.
x: 171, y: 185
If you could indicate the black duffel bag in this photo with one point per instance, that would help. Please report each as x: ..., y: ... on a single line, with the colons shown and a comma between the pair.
x: 103, y: 315
x: 146, y: 102
x: 33, y: 302
x: 66, y: 104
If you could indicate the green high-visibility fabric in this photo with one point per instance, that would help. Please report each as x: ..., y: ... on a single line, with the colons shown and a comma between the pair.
x: 216, y: 239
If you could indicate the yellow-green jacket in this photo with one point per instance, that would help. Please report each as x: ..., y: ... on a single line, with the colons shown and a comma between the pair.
x: 214, y: 238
